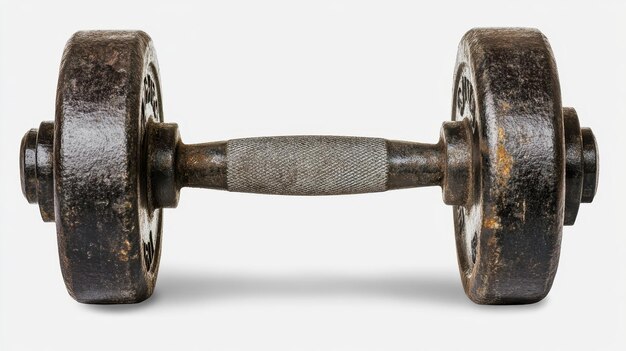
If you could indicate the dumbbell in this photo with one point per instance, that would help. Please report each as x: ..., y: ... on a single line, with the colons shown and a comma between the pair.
x: 514, y: 164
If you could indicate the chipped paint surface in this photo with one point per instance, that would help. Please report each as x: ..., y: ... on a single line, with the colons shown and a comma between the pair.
x: 124, y: 251
x: 99, y: 188
x: 492, y: 223
x: 516, y: 86
x: 504, y: 161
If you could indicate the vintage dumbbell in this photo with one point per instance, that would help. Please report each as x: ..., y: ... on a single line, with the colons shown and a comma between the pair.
x: 514, y: 164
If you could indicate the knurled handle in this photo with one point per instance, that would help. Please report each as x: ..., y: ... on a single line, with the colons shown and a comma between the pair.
x: 307, y: 165
x: 287, y: 165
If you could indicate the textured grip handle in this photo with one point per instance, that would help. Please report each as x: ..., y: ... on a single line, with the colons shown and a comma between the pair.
x: 307, y: 165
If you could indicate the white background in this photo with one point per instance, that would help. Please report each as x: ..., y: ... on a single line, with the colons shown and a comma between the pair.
x: 254, y: 272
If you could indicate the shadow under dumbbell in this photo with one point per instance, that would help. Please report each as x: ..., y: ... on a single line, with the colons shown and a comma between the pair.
x: 189, y: 288
x: 179, y: 288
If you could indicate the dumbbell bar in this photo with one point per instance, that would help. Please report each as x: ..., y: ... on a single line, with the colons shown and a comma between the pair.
x: 514, y: 164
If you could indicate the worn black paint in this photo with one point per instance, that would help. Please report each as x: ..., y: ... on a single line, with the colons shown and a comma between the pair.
x: 108, y: 237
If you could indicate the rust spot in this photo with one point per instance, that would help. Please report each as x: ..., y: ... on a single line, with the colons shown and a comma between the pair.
x: 492, y: 223
x: 504, y: 161
x: 123, y: 253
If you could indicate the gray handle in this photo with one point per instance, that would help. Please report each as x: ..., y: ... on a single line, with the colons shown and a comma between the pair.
x: 287, y: 165
x: 298, y: 165
x: 307, y: 165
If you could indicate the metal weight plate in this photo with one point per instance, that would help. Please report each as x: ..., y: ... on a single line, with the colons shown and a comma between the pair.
x: 109, y: 239
x: 509, y: 234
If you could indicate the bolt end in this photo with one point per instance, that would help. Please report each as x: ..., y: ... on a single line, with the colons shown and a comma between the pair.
x: 581, y: 165
x: 28, y: 165
x: 591, y: 163
x: 36, y: 168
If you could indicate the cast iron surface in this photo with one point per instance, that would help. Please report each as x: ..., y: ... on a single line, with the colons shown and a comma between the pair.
x: 509, y: 235
x: 109, y: 239
x: 514, y: 164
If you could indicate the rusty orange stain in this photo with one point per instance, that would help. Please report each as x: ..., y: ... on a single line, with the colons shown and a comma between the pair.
x: 123, y: 253
x: 504, y: 161
x: 492, y: 223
